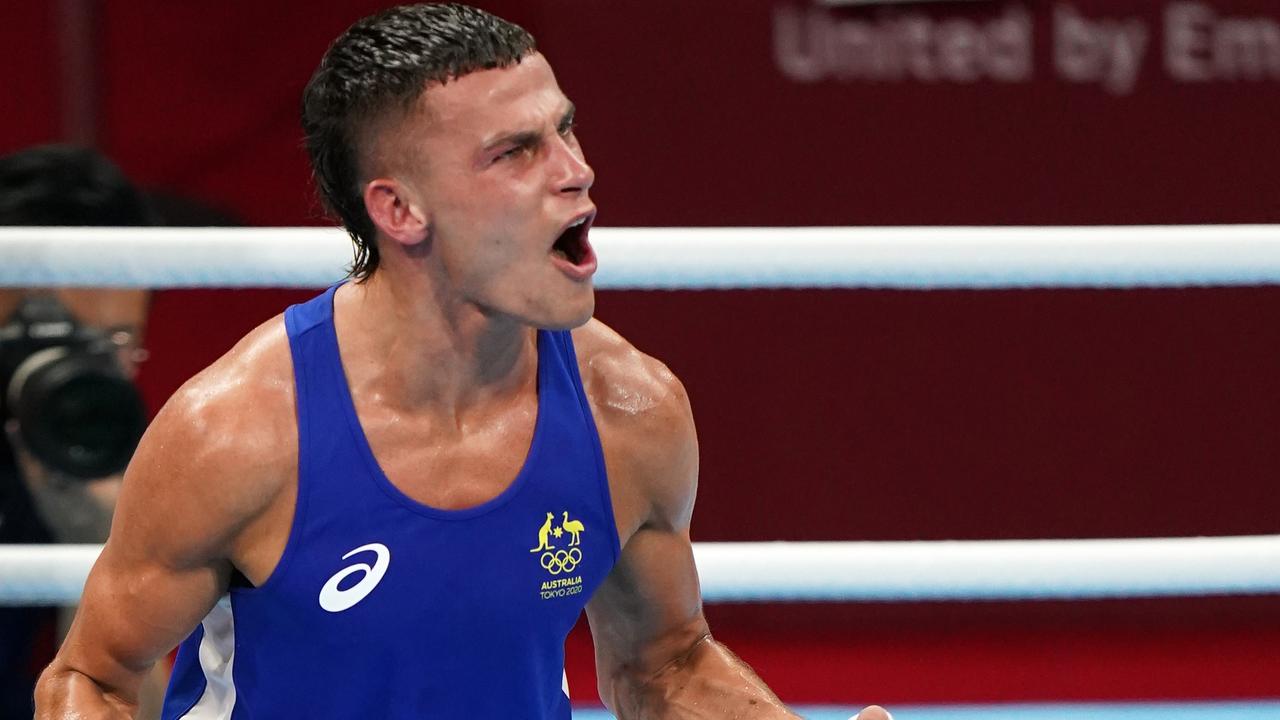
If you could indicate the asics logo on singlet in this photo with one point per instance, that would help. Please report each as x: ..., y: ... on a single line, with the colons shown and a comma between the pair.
x: 335, y: 600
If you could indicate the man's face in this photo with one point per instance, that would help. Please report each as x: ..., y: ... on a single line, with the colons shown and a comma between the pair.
x: 115, y: 310
x: 492, y: 160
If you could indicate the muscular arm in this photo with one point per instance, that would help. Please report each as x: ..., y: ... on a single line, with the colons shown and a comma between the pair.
x: 194, y: 490
x: 655, y: 656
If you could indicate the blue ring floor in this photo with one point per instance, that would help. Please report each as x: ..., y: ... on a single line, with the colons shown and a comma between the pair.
x: 1233, y: 710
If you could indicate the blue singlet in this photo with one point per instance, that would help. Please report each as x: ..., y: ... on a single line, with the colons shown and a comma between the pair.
x: 382, y: 607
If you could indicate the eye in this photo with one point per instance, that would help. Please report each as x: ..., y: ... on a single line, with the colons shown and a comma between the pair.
x: 568, y: 127
x: 511, y: 153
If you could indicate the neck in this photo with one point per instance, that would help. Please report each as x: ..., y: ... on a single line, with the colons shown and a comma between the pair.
x: 421, y: 348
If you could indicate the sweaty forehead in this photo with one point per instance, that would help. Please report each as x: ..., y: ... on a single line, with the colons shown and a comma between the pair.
x: 489, y: 102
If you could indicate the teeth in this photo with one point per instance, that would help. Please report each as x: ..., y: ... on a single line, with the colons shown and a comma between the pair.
x: 578, y: 222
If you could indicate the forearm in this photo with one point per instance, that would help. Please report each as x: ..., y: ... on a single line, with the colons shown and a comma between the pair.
x: 66, y: 694
x: 708, y: 682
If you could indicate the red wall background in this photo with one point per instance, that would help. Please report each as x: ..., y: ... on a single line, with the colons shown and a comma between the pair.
x: 848, y: 414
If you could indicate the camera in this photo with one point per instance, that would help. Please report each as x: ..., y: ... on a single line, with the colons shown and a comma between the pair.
x: 78, y: 413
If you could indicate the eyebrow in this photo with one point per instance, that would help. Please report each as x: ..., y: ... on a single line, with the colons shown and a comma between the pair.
x: 529, y: 138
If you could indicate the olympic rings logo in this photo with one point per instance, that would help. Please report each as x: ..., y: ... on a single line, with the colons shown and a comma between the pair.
x: 561, y: 560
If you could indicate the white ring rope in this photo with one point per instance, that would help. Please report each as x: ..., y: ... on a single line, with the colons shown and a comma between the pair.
x: 862, y: 571
x: 687, y: 258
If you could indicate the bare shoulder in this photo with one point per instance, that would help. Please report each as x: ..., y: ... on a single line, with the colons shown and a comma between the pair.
x: 218, y: 452
x: 628, y: 389
x: 643, y: 414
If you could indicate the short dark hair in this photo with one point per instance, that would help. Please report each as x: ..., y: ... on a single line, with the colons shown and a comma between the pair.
x: 382, y: 64
x: 68, y: 185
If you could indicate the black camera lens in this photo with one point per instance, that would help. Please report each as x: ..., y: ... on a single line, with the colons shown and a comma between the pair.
x: 77, y: 412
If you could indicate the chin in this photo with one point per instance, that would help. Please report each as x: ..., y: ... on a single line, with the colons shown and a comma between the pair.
x: 569, y: 315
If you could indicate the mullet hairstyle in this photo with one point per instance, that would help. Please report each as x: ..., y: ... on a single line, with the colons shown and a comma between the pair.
x: 381, y: 65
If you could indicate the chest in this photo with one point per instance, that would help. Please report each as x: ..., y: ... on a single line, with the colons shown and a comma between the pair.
x: 450, y: 464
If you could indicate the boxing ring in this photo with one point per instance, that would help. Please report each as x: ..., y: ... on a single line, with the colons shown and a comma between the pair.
x: 723, y: 258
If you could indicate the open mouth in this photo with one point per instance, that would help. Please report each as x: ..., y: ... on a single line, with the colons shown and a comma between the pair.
x: 571, y: 247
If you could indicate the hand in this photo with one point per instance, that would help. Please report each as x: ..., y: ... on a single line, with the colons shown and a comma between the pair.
x: 873, y: 712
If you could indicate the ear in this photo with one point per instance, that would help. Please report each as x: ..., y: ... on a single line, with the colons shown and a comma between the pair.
x: 394, y: 210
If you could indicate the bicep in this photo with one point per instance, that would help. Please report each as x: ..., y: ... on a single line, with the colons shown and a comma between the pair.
x: 648, y: 612
x: 164, y: 564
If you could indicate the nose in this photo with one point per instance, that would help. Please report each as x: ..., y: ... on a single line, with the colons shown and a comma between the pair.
x: 574, y: 176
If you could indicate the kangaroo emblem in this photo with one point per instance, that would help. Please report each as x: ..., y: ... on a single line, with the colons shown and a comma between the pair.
x: 543, y: 532
x: 574, y: 528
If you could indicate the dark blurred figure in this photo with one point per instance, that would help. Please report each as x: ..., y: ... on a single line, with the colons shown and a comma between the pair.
x: 70, y: 411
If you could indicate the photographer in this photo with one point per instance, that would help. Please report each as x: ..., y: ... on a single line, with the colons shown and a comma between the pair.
x: 71, y: 414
